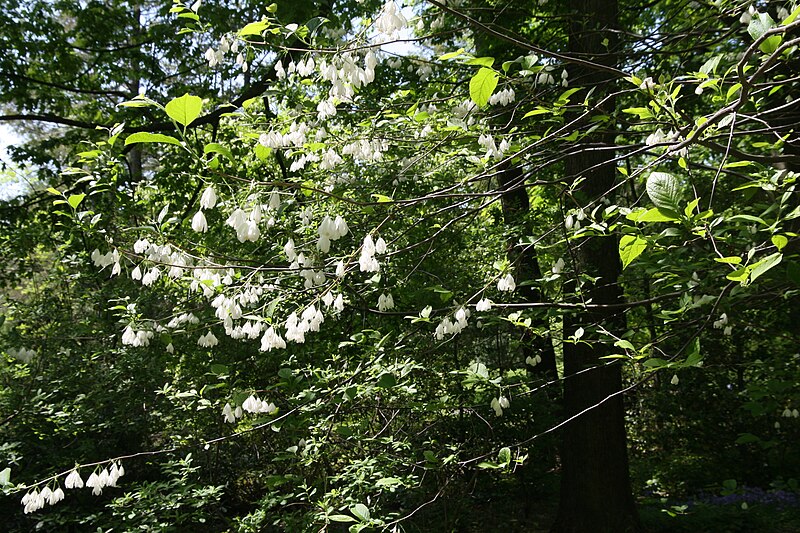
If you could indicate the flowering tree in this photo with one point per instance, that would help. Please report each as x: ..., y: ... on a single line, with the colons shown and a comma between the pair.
x: 327, y: 245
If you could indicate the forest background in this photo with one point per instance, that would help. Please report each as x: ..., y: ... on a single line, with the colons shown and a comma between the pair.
x: 435, y: 266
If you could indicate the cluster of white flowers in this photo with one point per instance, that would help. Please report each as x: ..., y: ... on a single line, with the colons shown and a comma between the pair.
x: 107, y: 477
x: 155, y: 253
x: 136, y: 338
x: 296, y: 137
x: 336, y: 302
x: 310, y: 320
x: 366, y: 151
x: 498, y: 404
x: 484, y: 305
x: 672, y: 137
x: 185, y: 318
x: 452, y: 327
x: 330, y: 230
x: 492, y: 150
x: 385, y: 302
x: 390, y: 22
x: 367, y: 261
x: 226, y: 44
x: 230, y: 414
x: 330, y: 159
x: 533, y: 360
x: 504, y: 97
x: 346, y: 75
x: 647, y: 84
x: 246, y: 225
x: 253, y: 404
x: 462, y: 115
x: 207, y: 201
x: 506, y: 283
x: 272, y: 340
x: 208, y: 340
x: 722, y: 324
x: 23, y: 354
x: 35, y: 500
x: 791, y: 413
x: 104, y: 260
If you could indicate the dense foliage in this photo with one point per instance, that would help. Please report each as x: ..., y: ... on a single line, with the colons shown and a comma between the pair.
x: 350, y: 264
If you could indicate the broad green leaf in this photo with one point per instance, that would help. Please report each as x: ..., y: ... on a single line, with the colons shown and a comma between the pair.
x: 360, y: 511
x: 218, y: 149
x: 386, y: 381
x: 482, y: 61
x: 739, y: 275
x: 622, y: 343
x: 537, y: 111
x: 482, y: 85
x: 748, y: 218
x: 184, y: 109
x: 731, y: 260
x: 764, y: 265
x: 53, y: 191
x: 653, y: 215
x: 145, y: 137
x: 711, y: 65
x: 75, y: 200
x: 664, y: 191
x: 254, y: 28
x: 341, y: 518
x: 451, y: 55
x: 642, y: 112
x: 779, y: 241
x: 791, y: 17
x: 504, y: 455
x: 631, y: 247
x: 691, y: 207
x: 759, y: 25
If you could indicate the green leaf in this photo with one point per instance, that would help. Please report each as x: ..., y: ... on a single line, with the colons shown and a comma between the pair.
x: 144, y: 137
x: 689, y: 209
x: 254, y: 28
x: 482, y: 61
x: 731, y: 260
x: 504, y: 455
x: 779, y: 241
x: 341, y: 518
x: 761, y: 267
x: 218, y: 149
x: 386, y: 381
x: 664, y: 191
x: 759, y: 25
x: 482, y: 85
x: 791, y: 17
x: 451, y: 55
x: 622, y: 343
x: 184, y: 109
x: 653, y: 215
x: 631, y: 247
x: 360, y: 511
x: 75, y: 200
x: 537, y: 111
x: 54, y: 191
x: 642, y: 112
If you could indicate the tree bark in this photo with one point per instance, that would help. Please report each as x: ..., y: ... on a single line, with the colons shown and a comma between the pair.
x: 595, y: 484
x: 516, y: 211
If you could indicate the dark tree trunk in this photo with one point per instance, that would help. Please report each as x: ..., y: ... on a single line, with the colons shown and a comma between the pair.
x: 516, y: 208
x: 595, y: 484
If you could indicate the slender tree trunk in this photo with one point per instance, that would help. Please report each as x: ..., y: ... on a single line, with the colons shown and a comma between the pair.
x: 516, y: 215
x: 595, y: 484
